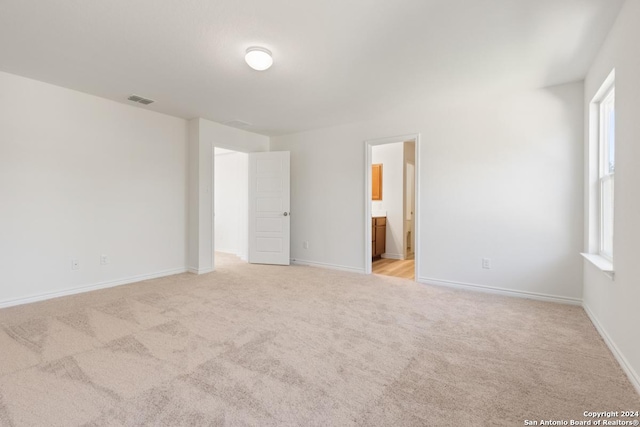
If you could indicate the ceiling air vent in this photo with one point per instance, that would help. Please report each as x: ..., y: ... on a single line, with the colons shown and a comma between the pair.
x: 140, y: 100
x: 237, y: 124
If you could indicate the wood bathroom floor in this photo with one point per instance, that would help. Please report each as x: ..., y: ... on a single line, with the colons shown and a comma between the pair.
x: 404, y: 268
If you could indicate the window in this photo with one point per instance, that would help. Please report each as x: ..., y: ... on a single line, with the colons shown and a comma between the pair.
x: 607, y: 166
x: 601, y: 169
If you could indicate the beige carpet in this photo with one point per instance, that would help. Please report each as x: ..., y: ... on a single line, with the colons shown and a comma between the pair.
x: 298, y: 346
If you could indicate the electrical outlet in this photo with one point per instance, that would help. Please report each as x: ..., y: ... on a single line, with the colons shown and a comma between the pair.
x: 305, y: 245
x: 104, y: 260
x: 75, y: 264
x: 486, y: 263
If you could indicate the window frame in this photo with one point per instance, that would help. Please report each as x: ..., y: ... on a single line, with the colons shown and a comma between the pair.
x: 594, y: 212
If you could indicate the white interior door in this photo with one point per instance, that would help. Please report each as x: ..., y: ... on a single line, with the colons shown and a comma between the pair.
x: 269, y: 215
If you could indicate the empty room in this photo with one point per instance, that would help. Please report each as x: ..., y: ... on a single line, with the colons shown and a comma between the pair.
x: 359, y: 213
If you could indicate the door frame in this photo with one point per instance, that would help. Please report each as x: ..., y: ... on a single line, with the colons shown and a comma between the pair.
x: 368, y: 145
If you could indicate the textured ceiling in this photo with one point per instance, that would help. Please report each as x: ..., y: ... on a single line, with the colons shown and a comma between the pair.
x: 335, y: 61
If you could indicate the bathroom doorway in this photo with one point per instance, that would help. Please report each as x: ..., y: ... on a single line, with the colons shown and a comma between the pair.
x: 391, y: 203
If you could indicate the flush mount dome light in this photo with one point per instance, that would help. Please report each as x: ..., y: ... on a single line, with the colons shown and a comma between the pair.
x: 258, y: 58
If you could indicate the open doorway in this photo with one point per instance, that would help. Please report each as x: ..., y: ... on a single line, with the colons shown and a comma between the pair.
x: 391, y: 202
x: 231, y: 206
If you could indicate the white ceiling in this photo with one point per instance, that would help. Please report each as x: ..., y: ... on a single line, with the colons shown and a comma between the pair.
x: 335, y: 61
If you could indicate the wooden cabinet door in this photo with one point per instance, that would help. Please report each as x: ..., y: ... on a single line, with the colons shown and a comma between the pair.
x: 376, y: 182
x: 373, y: 238
x: 381, y: 237
x: 378, y: 236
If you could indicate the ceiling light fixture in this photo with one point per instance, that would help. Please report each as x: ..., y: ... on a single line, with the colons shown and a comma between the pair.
x: 258, y: 58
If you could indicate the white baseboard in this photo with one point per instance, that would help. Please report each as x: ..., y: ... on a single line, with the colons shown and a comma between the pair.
x: 242, y: 256
x: 329, y: 266
x: 199, y: 270
x: 501, y: 291
x: 226, y: 251
x: 622, y: 361
x: 392, y: 256
x: 87, y: 288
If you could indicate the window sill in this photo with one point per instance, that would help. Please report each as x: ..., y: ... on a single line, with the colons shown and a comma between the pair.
x: 602, y: 263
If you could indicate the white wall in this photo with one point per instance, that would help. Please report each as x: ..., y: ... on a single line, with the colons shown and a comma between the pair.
x: 81, y: 176
x: 392, y: 158
x: 501, y: 177
x: 613, y: 305
x: 204, y: 135
x: 231, y: 202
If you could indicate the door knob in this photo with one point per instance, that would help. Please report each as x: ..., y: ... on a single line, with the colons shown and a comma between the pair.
x: 286, y: 213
